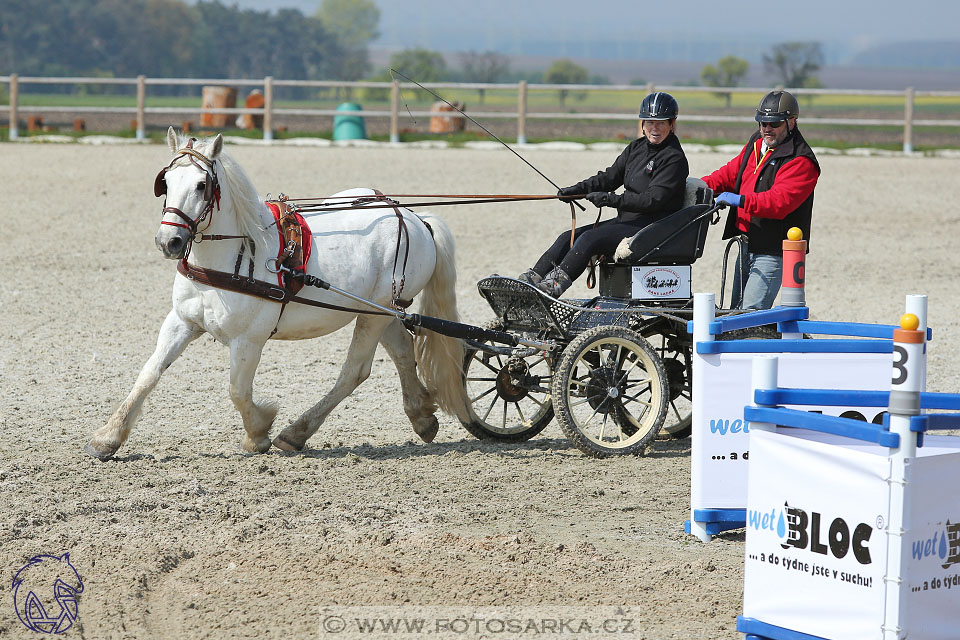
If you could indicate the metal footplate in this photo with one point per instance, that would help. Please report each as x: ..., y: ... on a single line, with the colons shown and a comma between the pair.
x: 522, y: 307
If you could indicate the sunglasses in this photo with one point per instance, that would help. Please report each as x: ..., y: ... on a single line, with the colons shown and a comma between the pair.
x: 773, y: 125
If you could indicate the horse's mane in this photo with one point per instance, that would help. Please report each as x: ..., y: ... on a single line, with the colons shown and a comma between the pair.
x: 249, y: 206
x: 247, y: 202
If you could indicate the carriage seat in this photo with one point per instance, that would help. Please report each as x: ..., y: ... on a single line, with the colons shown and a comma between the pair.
x: 686, y: 247
x: 654, y: 264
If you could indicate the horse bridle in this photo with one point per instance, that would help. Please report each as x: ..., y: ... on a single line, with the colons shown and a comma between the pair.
x: 211, y: 191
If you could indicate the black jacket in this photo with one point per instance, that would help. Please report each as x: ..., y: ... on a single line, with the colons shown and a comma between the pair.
x: 653, y: 176
x: 766, y: 235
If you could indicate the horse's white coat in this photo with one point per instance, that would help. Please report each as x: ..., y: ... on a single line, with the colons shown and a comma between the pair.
x: 353, y: 250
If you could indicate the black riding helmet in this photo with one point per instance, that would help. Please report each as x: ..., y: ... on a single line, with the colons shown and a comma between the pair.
x: 777, y: 106
x: 659, y: 106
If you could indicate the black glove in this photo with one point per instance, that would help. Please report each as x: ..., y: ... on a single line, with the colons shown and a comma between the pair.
x: 603, y: 199
x: 566, y: 194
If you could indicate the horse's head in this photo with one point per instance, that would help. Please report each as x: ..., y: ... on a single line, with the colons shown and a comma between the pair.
x: 191, y: 190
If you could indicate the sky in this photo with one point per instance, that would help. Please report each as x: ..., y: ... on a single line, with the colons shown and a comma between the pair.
x: 628, y: 28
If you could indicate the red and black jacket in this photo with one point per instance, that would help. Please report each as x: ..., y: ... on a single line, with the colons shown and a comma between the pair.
x: 777, y: 190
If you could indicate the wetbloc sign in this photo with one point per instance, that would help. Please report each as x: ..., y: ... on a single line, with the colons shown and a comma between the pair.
x: 721, y: 438
x: 932, y: 542
x: 816, y: 536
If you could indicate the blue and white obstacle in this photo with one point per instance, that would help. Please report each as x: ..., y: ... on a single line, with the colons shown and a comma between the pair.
x: 721, y: 448
x: 853, y: 529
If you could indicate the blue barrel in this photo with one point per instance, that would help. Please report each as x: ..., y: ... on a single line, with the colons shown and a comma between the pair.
x: 349, y: 127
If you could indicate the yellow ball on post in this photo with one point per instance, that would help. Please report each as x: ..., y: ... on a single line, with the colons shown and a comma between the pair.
x: 909, y: 322
x: 794, y: 233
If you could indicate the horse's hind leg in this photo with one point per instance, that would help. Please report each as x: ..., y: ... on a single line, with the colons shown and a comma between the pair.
x: 257, y: 416
x: 417, y: 403
x: 355, y: 370
x: 175, y: 335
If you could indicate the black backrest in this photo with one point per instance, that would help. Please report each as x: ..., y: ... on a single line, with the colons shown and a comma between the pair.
x: 654, y: 245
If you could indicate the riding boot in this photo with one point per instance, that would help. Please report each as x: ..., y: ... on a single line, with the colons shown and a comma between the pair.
x: 531, y: 277
x: 555, y: 282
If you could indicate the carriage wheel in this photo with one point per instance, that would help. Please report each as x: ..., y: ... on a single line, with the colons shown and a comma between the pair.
x: 610, y: 392
x: 510, y: 398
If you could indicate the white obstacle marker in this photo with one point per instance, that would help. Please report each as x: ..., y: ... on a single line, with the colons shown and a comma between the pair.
x: 720, y: 450
x: 853, y: 529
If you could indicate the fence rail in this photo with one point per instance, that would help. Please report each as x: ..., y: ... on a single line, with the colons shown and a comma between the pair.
x: 521, y: 115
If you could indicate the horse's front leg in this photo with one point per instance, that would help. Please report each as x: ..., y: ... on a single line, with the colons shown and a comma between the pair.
x: 355, y: 370
x: 257, y: 416
x: 175, y: 335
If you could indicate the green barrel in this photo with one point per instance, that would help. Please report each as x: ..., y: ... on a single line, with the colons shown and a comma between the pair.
x: 349, y: 127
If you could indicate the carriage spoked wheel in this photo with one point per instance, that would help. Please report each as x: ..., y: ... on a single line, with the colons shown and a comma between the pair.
x: 675, y: 355
x: 610, y: 392
x: 510, y: 396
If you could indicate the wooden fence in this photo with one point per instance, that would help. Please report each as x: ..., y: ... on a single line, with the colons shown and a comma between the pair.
x: 521, y: 115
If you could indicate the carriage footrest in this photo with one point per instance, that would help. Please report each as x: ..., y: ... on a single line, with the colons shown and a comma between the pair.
x: 519, y: 305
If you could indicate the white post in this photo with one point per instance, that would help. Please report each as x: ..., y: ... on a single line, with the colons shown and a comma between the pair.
x: 395, y: 112
x: 141, y: 104
x: 908, y: 120
x: 14, y: 98
x: 268, y: 108
x: 763, y: 375
x: 704, y: 312
x: 905, y: 387
x: 522, y: 112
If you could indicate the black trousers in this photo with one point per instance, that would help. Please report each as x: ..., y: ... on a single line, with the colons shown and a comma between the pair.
x: 589, y: 241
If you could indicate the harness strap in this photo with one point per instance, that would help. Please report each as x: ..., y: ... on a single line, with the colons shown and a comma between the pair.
x: 402, y: 226
x: 256, y: 288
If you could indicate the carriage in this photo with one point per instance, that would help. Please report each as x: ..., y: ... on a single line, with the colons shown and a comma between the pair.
x: 614, y: 369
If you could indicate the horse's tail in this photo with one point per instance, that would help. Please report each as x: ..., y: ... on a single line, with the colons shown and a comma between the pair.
x: 440, y: 358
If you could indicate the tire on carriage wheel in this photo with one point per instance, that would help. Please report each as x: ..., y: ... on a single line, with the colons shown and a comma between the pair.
x: 677, y: 364
x: 510, y: 397
x: 610, y: 392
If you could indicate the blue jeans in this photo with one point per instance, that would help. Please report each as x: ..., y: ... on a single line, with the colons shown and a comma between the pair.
x: 763, y: 274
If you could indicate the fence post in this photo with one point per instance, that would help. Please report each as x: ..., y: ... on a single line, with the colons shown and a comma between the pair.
x: 14, y: 97
x: 395, y: 112
x: 522, y: 112
x: 908, y: 121
x: 141, y: 104
x: 268, y: 108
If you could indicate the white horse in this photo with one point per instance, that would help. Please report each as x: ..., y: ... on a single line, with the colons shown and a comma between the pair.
x: 207, y: 195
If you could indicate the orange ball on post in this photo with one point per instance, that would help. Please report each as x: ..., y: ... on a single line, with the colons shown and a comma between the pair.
x: 794, y: 255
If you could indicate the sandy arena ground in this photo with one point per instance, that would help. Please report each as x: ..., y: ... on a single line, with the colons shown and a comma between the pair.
x: 181, y: 535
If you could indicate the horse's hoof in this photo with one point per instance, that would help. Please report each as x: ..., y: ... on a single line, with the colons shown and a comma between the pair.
x: 285, y: 445
x: 100, y: 452
x: 256, y: 446
x: 427, y: 428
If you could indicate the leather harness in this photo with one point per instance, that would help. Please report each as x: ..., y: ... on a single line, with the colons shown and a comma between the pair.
x: 296, y: 243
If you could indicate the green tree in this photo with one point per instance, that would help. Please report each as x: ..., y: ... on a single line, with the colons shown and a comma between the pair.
x: 354, y: 24
x: 565, y: 72
x: 488, y: 66
x: 420, y: 64
x: 728, y: 72
x: 793, y: 64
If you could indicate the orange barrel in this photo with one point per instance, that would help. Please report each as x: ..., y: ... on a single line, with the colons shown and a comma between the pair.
x: 217, y: 98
